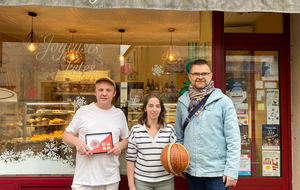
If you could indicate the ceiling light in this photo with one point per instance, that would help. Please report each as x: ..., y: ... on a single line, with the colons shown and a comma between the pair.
x: 31, y: 37
x: 71, y: 55
x: 121, y: 56
x: 171, y: 56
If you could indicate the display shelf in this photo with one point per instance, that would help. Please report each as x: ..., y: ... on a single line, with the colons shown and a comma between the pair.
x: 74, y: 93
x: 65, y: 91
x: 69, y: 82
x: 42, y: 125
x: 134, y: 113
x: 45, y: 118
x: 49, y: 114
x: 171, y: 113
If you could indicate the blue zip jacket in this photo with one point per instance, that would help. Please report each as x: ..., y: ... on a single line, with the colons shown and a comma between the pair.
x: 212, y: 138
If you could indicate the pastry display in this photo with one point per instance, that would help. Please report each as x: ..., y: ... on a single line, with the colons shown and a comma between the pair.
x: 31, y: 122
x: 38, y: 120
x: 41, y: 110
x: 74, y: 89
x: 44, y: 120
x: 42, y: 137
x: 47, y: 120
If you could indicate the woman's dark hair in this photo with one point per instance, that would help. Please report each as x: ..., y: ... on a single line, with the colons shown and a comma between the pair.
x: 161, y: 117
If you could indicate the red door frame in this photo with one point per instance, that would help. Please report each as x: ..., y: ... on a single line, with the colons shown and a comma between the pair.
x: 277, y: 42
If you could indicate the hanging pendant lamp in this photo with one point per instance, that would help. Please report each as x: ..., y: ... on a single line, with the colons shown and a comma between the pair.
x: 31, y: 38
x: 121, y: 56
x: 171, y: 56
x: 71, y: 55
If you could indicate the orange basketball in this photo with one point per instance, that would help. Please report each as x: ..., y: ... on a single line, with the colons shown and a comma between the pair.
x: 175, y: 158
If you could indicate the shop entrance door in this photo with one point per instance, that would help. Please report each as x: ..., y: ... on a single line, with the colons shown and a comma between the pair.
x: 257, y: 82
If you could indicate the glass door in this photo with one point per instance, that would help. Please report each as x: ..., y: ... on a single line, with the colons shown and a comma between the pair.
x: 253, y: 84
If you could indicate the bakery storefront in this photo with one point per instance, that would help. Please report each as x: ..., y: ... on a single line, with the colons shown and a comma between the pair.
x: 42, y: 87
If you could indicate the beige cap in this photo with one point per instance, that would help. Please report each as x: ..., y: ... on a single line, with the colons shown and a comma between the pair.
x: 106, y: 79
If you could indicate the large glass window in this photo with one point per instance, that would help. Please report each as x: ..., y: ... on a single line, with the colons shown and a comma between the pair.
x: 252, y: 82
x: 48, y: 87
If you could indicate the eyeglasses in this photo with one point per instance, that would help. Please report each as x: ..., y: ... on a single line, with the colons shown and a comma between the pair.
x: 200, y: 74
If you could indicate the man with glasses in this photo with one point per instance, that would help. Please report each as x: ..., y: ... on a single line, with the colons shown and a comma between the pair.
x: 206, y: 124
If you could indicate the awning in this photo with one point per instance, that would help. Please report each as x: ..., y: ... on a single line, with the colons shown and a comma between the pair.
x: 283, y: 6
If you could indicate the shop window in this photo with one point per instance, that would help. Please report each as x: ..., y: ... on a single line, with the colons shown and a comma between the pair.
x: 245, y: 22
x: 48, y: 90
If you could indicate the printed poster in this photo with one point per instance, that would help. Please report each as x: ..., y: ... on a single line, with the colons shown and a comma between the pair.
x: 273, y: 115
x: 272, y: 97
x: 241, y: 109
x: 244, y: 134
x: 271, y: 137
x: 245, y: 162
x: 271, y: 163
x: 269, y: 65
x: 237, y: 90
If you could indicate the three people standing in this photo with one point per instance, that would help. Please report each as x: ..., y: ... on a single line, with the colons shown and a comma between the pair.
x: 206, y: 124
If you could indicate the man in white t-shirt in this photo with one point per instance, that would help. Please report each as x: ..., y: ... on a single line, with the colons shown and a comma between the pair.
x: 98, y: 171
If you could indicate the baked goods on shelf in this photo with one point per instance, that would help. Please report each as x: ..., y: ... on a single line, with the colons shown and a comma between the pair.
x: 41, y: 137
x: 57, y: 121
x: 45, y: 120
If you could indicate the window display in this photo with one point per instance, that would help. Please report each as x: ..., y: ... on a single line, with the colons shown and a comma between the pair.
x: 35, y: 146
x: 46, y: 120
x: 50, y: 91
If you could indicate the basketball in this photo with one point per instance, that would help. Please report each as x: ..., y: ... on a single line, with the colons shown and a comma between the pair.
x: 175, y: 158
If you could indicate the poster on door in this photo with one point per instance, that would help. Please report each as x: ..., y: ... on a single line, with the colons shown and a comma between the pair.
x: 245, y: 162
x: 271, y: 163
x: 270, y: 137
x: 273, y: 115
x: 269, y: 68
x: 272, y: 97
x: 237, y: 90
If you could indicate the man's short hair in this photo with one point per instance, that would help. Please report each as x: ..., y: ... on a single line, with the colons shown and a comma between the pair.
x: 200, y: 62
x: 112, y: 82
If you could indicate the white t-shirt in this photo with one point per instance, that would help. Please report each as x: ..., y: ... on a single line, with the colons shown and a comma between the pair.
x: 99, y: 169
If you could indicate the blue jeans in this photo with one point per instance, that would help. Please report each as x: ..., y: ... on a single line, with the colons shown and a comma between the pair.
x: 205, y: 183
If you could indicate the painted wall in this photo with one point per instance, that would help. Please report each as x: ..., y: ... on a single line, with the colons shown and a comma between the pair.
x: 269, y: 23
x: 295, y: 97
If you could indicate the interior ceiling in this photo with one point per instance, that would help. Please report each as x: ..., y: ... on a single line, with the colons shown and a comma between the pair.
x: 143, y: 27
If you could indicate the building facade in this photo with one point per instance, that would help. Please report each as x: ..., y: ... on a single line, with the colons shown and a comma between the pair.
x: 254, y: 63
